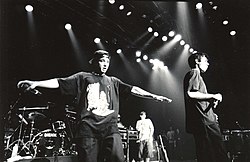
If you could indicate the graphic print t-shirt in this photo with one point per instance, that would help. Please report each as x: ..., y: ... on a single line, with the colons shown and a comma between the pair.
x: 97, y: 101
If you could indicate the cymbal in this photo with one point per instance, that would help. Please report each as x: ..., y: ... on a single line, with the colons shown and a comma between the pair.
x: 36, y: 116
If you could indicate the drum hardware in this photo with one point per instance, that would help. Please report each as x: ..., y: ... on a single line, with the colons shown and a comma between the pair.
x: 34, y: 108
x: 237, y: 143
x: 60, y: 128
x: 30, y: 141
x: 24, y: 144
x: 70, y: 114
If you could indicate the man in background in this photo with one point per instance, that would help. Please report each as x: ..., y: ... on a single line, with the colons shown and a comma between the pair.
x: 145, y: 128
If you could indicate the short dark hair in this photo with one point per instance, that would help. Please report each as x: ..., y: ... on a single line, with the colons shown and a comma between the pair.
x: 142, y: 112
x: 193, y: 57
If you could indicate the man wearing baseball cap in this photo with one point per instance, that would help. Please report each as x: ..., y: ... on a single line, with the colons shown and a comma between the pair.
x: 97, y: 97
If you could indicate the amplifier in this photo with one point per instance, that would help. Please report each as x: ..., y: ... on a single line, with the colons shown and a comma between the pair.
x: 132, y: 134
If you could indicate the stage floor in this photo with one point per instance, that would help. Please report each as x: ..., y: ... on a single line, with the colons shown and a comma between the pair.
x: 71, y: 159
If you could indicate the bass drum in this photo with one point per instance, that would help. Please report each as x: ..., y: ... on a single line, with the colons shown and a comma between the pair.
x: 46, y: 142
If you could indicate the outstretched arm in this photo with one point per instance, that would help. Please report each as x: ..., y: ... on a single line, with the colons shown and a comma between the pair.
x: 199, y: 95
x: 144, y: 94
x: 51, y: 83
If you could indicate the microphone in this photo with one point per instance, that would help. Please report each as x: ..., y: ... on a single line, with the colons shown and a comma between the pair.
x: 23, y: 120
x: 215, y: 103
x: 35, y: 91
x: 25, y: 87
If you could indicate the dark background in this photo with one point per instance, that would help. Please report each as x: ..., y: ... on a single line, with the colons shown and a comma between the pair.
x: 38, y: 47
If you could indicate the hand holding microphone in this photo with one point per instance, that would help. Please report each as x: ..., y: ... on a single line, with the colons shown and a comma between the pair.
x: 217, y: 98
x: 28, y: 86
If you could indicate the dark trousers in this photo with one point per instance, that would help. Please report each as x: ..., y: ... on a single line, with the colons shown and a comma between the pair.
x: 210, y: 146
x: 108, y: 149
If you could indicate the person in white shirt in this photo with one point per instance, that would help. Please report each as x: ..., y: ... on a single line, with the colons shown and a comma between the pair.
x: 145, y: 128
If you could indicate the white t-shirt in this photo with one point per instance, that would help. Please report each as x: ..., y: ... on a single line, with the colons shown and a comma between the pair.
x: 145, y: 128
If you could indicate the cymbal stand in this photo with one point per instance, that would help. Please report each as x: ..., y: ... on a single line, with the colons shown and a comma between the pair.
x: 20, y: 141
x: 7, y: 121
x: 25, y: 146
x: 7, y: 116
x: 29, y: 143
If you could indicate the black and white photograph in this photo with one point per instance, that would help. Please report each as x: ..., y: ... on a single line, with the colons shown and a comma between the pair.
x: 125, y: 80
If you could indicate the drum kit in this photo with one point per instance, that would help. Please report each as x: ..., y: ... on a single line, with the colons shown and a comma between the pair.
x: 237, y: 142
x: 29, y: 138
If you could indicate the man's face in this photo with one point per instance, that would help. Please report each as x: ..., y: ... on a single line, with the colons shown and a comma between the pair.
x: 143, y: 116
x: 103, y: 64
x: 203, y: 64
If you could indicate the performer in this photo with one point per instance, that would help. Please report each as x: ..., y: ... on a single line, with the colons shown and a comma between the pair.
x: 201, y: 121
x: 145, y: 128
x: 97, y: 97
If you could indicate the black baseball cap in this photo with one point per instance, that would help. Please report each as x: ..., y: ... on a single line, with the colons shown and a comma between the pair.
x: 99, y: 54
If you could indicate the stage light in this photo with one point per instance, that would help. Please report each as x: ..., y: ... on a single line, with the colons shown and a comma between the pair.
x: 129, y: 13
x: 198, y: 5
x: 119, y: 51
x: 171, y: 33
x: 194, y: 52
x: 164, y: 38
x: 165, y: 67
x: 182, y: 42
x: 232, y: 33
x: 111, y: 1
x: 138, y: 60
x: 225, y: 22
x: 121, y: 7
x: 187, y: 46
x: 191, y: 50
x: 138, y: 53
x: 156, y: 34
x: 150, y: 29
x: 29, y: 8
x: 211, y: 3
x: 145, y: 57
x: 67, y: 26
x: 177, y: 37
x: 157, y: 64
x: 215, y: 7
x: 97, y: 40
